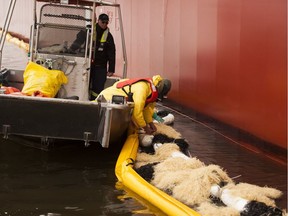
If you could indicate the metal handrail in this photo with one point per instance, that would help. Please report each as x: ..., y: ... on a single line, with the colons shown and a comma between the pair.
x: 123, y: 45
x: 6, y: 27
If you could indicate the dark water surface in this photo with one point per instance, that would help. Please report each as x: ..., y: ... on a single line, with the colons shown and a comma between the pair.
x: 80, y: 181
x: 74, y: 180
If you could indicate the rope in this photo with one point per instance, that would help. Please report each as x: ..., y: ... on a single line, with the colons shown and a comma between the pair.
x: 130, y: 163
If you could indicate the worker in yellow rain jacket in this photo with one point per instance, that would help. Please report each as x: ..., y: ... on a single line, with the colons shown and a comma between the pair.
x: 144, y: 92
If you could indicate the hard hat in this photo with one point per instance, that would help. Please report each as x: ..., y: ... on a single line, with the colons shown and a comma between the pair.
x: 156, y: 79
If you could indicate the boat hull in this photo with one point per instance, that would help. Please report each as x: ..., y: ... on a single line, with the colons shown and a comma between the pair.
x: 63, y: 119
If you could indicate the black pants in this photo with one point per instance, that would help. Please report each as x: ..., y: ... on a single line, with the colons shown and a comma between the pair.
x: 97, y: 79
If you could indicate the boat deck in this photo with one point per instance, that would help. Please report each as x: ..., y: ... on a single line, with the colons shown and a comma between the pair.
x: 238, y: 153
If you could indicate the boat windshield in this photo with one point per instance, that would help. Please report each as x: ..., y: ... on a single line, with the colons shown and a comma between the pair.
x: 59, y: 26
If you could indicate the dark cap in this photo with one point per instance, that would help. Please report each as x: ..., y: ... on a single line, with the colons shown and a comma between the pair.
x: 163, y: 88
x: 103, y: 17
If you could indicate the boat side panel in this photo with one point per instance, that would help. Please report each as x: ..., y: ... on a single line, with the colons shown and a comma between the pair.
x: 121, y: 119
x: 46, y: 118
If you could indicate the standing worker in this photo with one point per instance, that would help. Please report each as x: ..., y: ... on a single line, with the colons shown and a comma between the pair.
x: 104, y: 53
x: 144, y: 92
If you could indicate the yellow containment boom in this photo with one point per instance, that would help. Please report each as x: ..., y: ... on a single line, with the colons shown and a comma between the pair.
x: 130, y: 179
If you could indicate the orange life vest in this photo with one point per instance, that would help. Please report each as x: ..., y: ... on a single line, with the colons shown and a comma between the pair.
x: 10, y: 90
x: 151, y: 98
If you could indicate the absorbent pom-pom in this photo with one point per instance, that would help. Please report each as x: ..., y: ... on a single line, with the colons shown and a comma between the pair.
x: 167, y: 130
x: 255, y: 208
x: 146, y: 171
x: 162, y: 153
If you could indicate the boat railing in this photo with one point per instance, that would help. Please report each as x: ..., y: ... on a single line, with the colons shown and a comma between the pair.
x: 5, y: 28
x: 93, y: 4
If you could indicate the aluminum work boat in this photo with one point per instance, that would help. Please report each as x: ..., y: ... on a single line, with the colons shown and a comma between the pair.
x: 70, y: 115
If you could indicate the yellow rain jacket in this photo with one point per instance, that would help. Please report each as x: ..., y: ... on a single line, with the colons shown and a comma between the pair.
x: 142, y: 115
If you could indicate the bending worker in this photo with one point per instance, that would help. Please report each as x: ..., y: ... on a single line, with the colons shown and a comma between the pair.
x: 144, y: 92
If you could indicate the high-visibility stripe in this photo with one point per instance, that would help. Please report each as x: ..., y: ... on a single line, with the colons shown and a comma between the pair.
x: 93, y: 93
x: 104, y: 35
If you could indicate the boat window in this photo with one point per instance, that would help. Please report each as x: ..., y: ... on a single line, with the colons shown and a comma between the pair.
x: 55, y: 40
x: 59, y: 26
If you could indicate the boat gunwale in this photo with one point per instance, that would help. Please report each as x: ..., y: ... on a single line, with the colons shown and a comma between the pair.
x: 67, y: 101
